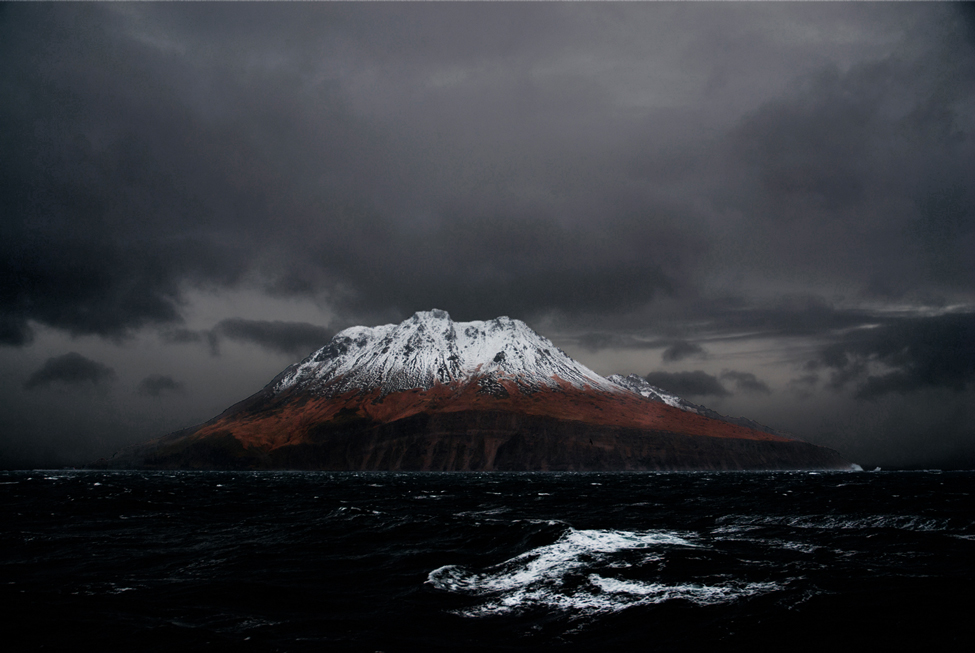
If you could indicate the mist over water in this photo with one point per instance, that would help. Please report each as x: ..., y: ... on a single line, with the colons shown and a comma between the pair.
x: 311, y: 561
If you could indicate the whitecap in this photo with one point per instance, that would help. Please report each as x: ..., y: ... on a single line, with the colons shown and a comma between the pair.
x: 547, y: 577
x: 549, y: 563
x: 733, y: 523
x: 696, y: 593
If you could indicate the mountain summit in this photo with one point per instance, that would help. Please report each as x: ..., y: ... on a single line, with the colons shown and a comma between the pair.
x: 430, y: 349
x: 434, y: 394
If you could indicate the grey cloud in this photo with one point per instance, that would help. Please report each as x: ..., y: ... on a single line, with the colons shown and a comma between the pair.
x: 806, y: 380
x: 915, y: 354
x: 182, y: 336
x: 597, y: 341
x: 514, y: 179
x: 746, y: 381
x: 75, y: 176
x: 681, y: 350
x: 865, y: 166
x: 798, y: 317
x: 71, y: 369
x: 232, y: 177
x: 787, y: 315
x: 156, y: 385
x: 296, y: 338
x: 697, y: 383
x: 945, y: 232
x: 213, y: 341
x: 804, y: 384
x: 15, y: 331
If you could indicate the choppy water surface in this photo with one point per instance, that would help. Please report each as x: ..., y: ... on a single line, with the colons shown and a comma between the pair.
x: 493, y: 561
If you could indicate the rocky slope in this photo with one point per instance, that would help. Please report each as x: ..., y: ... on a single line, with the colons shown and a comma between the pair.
x: 433, y: 394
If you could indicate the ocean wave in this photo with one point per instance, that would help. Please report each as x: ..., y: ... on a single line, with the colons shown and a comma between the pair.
x: 565, y: 576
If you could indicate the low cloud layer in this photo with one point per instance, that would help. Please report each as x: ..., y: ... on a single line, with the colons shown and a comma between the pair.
x: 746, y: 381
x: 690, y: 384
x: 294, y: 338
x: 904, y: 356
x: 156, y: 385
x: 681, y: 350
x: 71, y: 369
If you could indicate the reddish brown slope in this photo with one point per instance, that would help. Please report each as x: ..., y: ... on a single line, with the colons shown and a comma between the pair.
x: 460, y: 427
x: 290, y: 420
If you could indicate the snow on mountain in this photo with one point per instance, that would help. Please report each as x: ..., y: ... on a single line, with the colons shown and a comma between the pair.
x: 639, y: 385
x: 430, y: 348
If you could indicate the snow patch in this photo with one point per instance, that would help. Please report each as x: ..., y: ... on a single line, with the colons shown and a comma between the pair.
x: 639, y: 385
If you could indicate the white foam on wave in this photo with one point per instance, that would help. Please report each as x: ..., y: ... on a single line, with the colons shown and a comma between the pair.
x: 732, y: 523
x: 700, y: 594
x: 562, y: 577
x: 486, y: 513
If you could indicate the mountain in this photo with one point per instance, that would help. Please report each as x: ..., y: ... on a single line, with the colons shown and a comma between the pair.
x: 642, y: 387
x: 434, y: 394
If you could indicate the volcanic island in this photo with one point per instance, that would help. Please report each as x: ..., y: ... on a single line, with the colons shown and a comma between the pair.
x: 431, y: 394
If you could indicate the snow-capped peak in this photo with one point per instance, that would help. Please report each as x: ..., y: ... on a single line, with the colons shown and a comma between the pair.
x: 428, y: 349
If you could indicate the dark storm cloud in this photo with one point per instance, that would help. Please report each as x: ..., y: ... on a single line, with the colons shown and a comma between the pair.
x: 697, y: 383
x: 15, y: 331
x: 71, y: 369
x: 156, y: 385
x: 681, y: 350
x: 373, y: 160
x: 867, y: 168
x: 285, y: 337
x: 904, y: 356
x: 145, y: 155
x: 746, y: 381
x: 97, y: 182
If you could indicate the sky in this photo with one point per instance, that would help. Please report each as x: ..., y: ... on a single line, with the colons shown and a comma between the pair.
x: 766, y: 208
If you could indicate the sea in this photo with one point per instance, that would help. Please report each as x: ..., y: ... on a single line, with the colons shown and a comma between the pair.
x: 343, y: 561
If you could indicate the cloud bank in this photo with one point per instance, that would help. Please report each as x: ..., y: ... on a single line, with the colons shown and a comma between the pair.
x: 71, y: 369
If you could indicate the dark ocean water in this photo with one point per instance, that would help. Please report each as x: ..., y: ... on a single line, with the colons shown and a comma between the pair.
x: 283, y: 561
